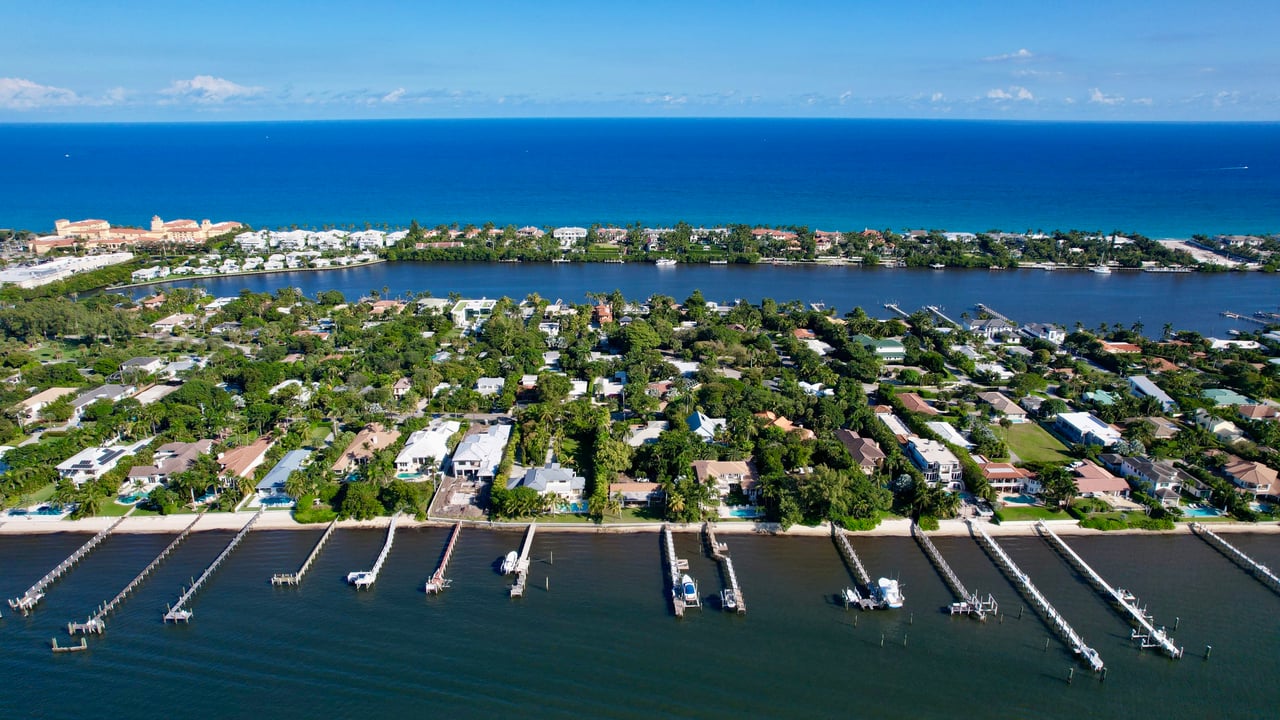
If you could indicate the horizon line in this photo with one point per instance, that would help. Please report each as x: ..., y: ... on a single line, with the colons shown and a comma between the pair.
x: 695, y: 118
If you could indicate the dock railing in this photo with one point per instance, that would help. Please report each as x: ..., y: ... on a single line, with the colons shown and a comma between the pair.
x: 1264, y: 574
x: 674, y: 566
x: 720, y: 551
x: 29, y: 599
x: 178, y: 612
x: 295, y: 578
x: 365, y: 580
x: 522, y: 563
x: 438, y: 581
x: 970, y: 603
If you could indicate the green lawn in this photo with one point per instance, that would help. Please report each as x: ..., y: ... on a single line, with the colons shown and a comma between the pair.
x: 39, y: 496
x: 1016, y: 513
x: 1032, y: 443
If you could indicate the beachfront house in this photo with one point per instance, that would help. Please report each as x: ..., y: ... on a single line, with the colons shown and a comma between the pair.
x: 1086, y: 429
x: 637, y: 493
x: 1094, y: 481
x: 1043, y: 331
x: 1252, y: 477
x: 373, y: 438
x: 729, y: 477
x: 990, y: 328
x: 241, y: 462
x: 1161, y: 479
x: 552, y: 479
x: 272, y: 485
x: 938, y: 464
x: 478, y: 455
x: 93, y: 462
x: 1007, y: 478
x: 427, y: 448
x: 866, y: 453
x: 169, y: 460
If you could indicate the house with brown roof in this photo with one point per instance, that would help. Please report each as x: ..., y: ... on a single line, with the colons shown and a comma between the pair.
x: 1004, y: 406
x: 242, y: 461
x: 1258, y: 412
x: 1007, y: 478
x: 168, y: 460
x: 1253, y: 477
x: 1120, y: 348
x: 912, y: 402
x: 29, y: 409
x: 785, y: 425
x: 866, y: 453
x: 1095, y: 481
x: 368, y: 441
x: 728, y: 476
x: 803, y: 334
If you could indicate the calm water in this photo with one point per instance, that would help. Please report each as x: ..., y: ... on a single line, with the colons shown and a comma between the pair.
x: 1190, y: 301
x: 1167, y: 179
x: 601, y: 641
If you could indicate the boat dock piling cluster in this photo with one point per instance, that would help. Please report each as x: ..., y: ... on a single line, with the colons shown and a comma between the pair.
x: 522, y: 563
x: 855, y: 595
x: 296, y: 578
x: 1144, y: 630
x: 179, y: 613
x: 969, y: 604
x: 438, y: 581
x: 35, y: 593
x: 1023, y: 581
x: 720, y: 551
x: 1257, y: 569
x: 94, y: 624
x: 365, y: 580
x: 674, y: 566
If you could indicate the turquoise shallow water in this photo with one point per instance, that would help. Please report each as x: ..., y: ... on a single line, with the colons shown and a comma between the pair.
x: 594, y: 636
x: 1160, y: 179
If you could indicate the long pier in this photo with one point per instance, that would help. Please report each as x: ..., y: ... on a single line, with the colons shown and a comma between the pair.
x: 365, y: 580
x: 969, y: 602
x: 178, y: 612
x: 855, y: 595
x: 938, y: 312
x: 95, y: 623
x: 438, y: 581
x: 1255, y: 568
x: 893, y: 308
x: 522, y: 564
x: 296, y: 577
x: 1144, y: 630
x: 34, y: 594
x: 1246, y: 318
x: 720, y: 551
x: 1023, y: 581
x: 992, y: 312
x: 674, y: 566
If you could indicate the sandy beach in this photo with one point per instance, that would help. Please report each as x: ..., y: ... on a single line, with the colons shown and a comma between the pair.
x: 282, y: 520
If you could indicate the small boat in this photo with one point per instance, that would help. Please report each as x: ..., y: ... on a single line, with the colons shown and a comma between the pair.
x: 889, y: 593
x: 690, y: 590
x: 1100, y: 270
x: 354, y: 578
x: 937, y: 266
x: 1126, y: 596
x: 850, y: 596
x: 664, y: 262
x: 961, y: 608
x: 560, y: 260
x: 728, y: 599
x: 509, y: 563
x: 719, y: 262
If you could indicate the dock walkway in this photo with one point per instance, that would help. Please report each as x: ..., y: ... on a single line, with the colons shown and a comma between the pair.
x: 365, y: 580
x: 674, y: 566
x: 34, y: 594
x: 937, y: 311
x: 296, y: 577
x: 95, y: 623
x: 992, y: 312
x: 1257, y: 569
x: 862, y: 596
x: 893, y: 308
x: 969, y: 602
x: 1144, y: 630
x: 1023, y: 581
x: 178, y: 612
x: 720, y: 551
x: 438, y: 581
x: 522, y: 564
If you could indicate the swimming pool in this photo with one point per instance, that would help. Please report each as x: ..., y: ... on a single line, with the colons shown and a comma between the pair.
x: 1198, y: 511
x: 1019, y: 500
x: 746, y: 512
x: 277, y: 501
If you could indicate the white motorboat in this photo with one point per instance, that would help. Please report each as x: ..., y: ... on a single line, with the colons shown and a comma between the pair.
x: 728, y: 599
x: 509, y: 563
x: 354, y: 578
x: 1100, y: 269
x: 664, y: 262
x: 689, y: 589
x: 889, y: 593
x: 719, y: 262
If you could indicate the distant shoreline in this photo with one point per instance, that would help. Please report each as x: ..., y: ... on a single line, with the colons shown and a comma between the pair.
x: 182, y: 278
x: 281, y: 520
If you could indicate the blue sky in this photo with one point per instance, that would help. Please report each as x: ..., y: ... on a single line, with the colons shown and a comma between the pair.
x: 115, y: 60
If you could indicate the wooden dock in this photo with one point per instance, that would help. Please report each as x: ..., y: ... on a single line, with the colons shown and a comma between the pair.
x: 1144, y: 631
x: 1023, y: 581
x: 365, y: 580
x: 296, y: 577
x: 720, y: 551
x: 893, y: 308
x: 861, y: 595
x: 937, y: 311
x: 95, y: 623
x: 84, y: 645
x: 179, y: 612
x: 1264, y: 574
x: 992, y: 312
x: 674, y: 566
x: 28, y: 600
x: 968, y: 602
x: 522, y: 564
x: 438, y: 581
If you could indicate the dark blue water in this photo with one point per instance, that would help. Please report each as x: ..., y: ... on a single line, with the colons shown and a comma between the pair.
x: 1171, y: 179
x: 1191, y: 301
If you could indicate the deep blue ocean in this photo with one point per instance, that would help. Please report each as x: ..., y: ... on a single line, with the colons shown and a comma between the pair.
x: 1163, y: 180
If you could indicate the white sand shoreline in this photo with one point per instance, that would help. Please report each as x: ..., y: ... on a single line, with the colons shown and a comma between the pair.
x: 282, y: 520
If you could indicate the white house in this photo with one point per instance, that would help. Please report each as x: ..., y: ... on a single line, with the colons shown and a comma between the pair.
x: 487, y: 386
x: 471, y: 313
x: 552, y: 480
x: 111, y: 393
x: 478, y: 455
x: 429, y: 446
x: 1142, y: 386
x: 94, y: 462
x: 706, y: 428
x: 1083, y: 427
x: 568, y: 236
x: 938, y: 464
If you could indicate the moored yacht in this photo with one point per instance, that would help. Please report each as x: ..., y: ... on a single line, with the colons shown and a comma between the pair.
x: 889, y: 593
x: 688, y: 588
x: 509, y: 563
x: 664, y: 262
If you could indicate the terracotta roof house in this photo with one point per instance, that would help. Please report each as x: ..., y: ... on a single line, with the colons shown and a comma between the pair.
x: 242, y: 461
x: 1258, y: 412
x: 1008, y: 478
x: 803, y: 334
x: 729, y: 475
x: 1093, y: 481
x: 1253, y: 477
x: 785, y: 425
x: 1120, y: 348
x: 866, y: 452
x: 914, y: 403
x: 367, y: 442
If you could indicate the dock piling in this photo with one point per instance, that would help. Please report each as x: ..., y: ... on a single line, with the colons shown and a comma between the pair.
x: 1264, y: 574
x: 522, y: 564
x: 365, y: 580
x: 29, y: 599
x: 178, y: 613
x: 296, y: 578
x: 438, y: 581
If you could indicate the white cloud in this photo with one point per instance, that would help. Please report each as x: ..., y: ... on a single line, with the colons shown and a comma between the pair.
x: 207, y: 89
x: 1226, y: 98
x: 23, y: 94
x: 936, y: 97
x: 844, y: 96
x: 1015, y: 92
x: 393, y: 96
x: 1143, y: 101
x: 1022, y: 54
x: 1098, y: 97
